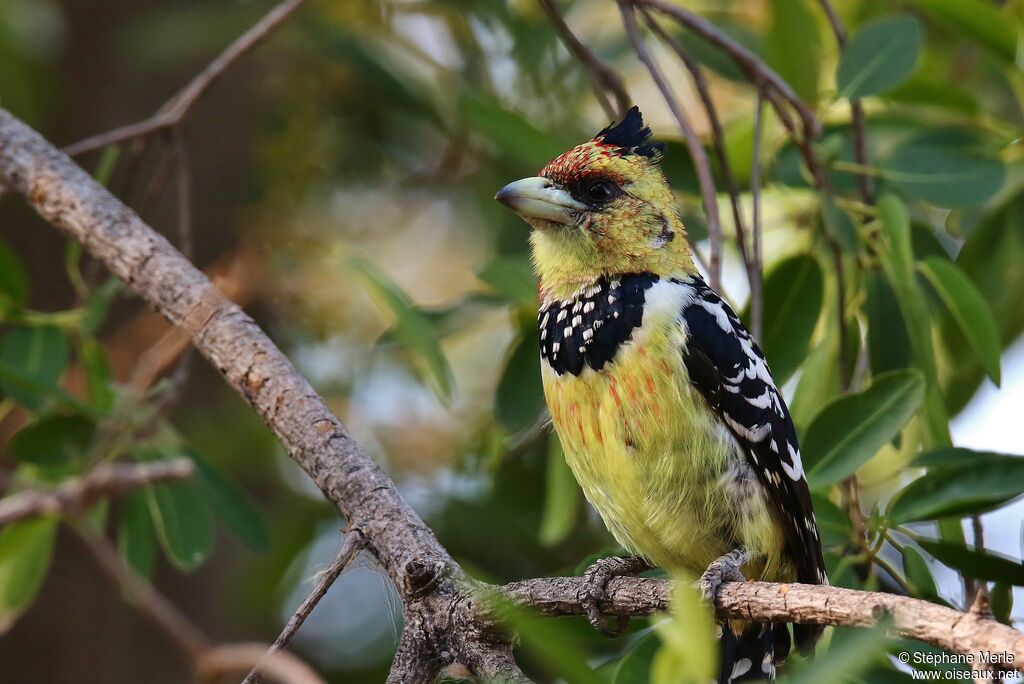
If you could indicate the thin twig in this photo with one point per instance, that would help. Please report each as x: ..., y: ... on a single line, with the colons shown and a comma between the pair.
x: 110, y: 479
x: 693, y: 144
x: 174, y: 110
x: 755, y: 271
x: 234, y: 658
x: 350, y: 548
x: 866, y: 182
x: 755, y: 67
x: 602, y: 76
x: 209, y: 661
x: 183, y: 182
x: 717, y: 134
x: 151, y: 603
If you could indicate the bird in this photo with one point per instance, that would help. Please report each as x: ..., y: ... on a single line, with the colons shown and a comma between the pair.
x: 662, y: 400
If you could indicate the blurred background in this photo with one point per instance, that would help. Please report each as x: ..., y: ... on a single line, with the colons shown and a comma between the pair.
x: 342, y: 180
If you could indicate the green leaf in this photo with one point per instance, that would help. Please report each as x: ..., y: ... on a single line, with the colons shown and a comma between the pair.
x: 136, y: 537
x: 635, y: 665
x: 918, y: 574
x: 833, y: 523
x: 991, y: 258
x: 231, y: 504
x: 513, y: 133
x: 982, y: 565
x: 106, y: 164
x: 97, y: 375
x: 412, y: 326
x: 561, y: 498
x: 513, y: 277
x: 689, y: 652
x: 25, y: 551
x: 851, y: 429
x: 792, y: 303
x: 13, y: 280
x: 888, y: 346
x: 33, y: 360
x: 969, y: 309
x: 182, y: 520
x: 897, y: 258
x: 1002, y: 602
x: 879, y: 56
x: 99, y: 304
x: 978, y: 482
x: 797, y: 61
x: 53, y: 440
x: 819, y: 381
x: 838, y: 225
x: 850, y: 652
x: 980, y: 20
x: 519, y: 399
x: 945, y: 169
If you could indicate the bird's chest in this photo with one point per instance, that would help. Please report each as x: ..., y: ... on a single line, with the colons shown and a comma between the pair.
x: 642, y: 443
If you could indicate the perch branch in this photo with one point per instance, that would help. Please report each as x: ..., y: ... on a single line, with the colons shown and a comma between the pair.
x: 106, y: 480
x: 174, y: 110
x: 911, y: 618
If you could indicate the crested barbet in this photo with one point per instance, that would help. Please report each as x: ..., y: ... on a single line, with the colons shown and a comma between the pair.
x: 663, y: 402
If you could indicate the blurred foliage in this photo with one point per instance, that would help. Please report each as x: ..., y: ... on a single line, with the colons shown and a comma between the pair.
x: 357, y: 155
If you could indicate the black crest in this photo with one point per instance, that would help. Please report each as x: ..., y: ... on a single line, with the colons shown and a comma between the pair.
x: 631, y: 135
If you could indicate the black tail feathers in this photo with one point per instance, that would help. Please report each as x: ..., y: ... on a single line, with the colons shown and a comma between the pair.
x: 752, y: 656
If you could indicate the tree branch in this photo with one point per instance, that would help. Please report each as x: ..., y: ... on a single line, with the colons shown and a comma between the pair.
x: 174, y: 110
x: 106, y: 480
x: 802, y: 603
x: 426, y: 577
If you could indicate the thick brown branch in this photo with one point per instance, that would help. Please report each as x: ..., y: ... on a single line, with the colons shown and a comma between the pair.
x: 175, y: 109
x: 106, y: 480
x: 424, y: 574
x: 802, y: 603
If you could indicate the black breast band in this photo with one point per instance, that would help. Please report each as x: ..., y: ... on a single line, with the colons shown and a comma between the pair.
x: 589, y: 328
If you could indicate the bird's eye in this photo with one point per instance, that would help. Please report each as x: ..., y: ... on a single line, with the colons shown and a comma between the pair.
x: 599, y: 190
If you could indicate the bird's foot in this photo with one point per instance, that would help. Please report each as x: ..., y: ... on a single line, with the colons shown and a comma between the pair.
x: 721, y: 570
x: 596, y: 579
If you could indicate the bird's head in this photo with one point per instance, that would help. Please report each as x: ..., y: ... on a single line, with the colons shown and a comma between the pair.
x: 602, y: 208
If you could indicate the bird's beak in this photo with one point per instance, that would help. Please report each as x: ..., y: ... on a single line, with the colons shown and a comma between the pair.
x: 540, y: 198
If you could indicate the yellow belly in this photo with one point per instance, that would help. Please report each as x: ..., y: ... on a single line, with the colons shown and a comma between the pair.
x: 656, y: 463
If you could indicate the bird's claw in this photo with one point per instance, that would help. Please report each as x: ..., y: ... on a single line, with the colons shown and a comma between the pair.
x: 596, y: 579
x: 721, y: 570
